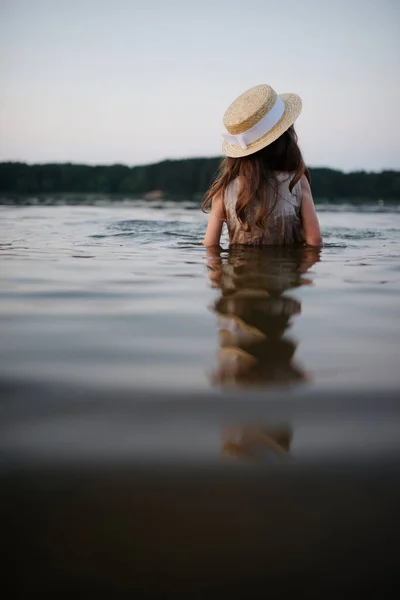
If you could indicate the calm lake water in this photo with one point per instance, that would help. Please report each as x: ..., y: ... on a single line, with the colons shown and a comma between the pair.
x: 252, y: 395
x: 123, y: 299
x: 124, y: 296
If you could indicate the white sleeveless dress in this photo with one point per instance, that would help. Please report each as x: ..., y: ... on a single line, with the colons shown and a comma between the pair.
x: 284, y: 222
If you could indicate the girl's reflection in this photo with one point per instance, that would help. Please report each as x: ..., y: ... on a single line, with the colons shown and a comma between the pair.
x: 251, y: 442
x: 254, y: 312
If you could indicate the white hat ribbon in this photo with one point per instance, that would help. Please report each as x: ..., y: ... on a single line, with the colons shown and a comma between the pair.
x: 263, y: 126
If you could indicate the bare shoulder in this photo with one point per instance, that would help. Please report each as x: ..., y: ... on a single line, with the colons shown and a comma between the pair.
x: 218, y: 207
x: 218, y: 198
x: 308, y: 215
x: 305, y: 186
x: 215, y: 220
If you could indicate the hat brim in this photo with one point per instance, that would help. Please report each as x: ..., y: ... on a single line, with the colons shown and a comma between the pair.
x: 293, y: 106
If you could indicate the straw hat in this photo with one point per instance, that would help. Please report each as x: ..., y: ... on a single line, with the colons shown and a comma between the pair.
x: 257, y: 118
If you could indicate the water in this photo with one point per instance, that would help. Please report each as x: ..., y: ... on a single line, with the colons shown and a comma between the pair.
x: 116, y: 301
x: 122, y: 297
x: 178, y: 416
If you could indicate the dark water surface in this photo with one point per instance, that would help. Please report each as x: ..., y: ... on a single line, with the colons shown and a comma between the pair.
x: 124, y: 297
x: 243, y: 404
x: 123, y: 300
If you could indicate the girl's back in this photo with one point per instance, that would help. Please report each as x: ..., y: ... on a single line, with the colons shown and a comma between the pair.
x: 283, y: 224
x: 262, y: 190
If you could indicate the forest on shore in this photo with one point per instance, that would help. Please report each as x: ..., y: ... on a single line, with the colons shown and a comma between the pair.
x: 184, y: 178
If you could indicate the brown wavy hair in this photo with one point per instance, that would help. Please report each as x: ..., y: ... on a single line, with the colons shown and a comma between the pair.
x: 256, y: 171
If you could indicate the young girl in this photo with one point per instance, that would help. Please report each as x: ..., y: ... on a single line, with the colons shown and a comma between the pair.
x: 263, y: 189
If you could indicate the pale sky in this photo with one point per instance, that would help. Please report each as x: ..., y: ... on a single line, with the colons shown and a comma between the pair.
x: 106, y: 81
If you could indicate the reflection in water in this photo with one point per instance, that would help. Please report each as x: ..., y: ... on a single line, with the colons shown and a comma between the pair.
x: 254, y: 312
x: 253, y: 442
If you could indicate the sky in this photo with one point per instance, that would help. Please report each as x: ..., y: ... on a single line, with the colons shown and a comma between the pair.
x: 123, y: 81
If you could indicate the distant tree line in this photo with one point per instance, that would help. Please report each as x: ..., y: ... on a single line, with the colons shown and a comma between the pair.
x: 185, y: 178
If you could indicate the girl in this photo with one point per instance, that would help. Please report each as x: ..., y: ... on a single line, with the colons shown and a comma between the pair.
x: 263, y: 189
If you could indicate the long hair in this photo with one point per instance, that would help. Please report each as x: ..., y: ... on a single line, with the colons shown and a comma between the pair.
x: 256, y: 172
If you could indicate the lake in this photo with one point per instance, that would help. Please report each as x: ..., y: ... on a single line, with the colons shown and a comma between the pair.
x: 127, y: 345
x: 123, y: 296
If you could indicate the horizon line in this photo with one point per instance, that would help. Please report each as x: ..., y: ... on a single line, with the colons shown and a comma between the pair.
x: 166, y: 160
